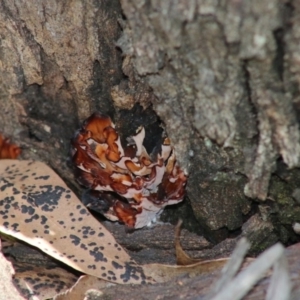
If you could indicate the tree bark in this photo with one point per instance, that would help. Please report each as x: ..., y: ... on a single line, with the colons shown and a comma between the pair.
x: 223, y: 78
x: 226, y: 80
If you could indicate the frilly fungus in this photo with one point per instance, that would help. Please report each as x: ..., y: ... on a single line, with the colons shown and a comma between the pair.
x: 8, y: 150
x: 125, y: 183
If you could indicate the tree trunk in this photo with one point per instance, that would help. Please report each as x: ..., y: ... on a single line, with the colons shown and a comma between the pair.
x: 222, y: 77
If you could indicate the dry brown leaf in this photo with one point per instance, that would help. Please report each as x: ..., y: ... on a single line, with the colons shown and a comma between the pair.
x: 163, y: 273
x: 36, y: 274
x: 185, y: 264
x: 84, y: 283
x: 41, y: 282
x: 7, y: 289
x: 181, y: 257
x: 37, y: 207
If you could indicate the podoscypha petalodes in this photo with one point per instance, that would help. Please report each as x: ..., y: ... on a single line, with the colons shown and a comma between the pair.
x: 127, y: 184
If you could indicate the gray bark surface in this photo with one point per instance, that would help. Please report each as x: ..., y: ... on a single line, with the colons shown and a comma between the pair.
x: 223, y: 75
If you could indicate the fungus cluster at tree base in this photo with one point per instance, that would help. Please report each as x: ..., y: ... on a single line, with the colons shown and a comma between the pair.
x: 125, y: 183
x: 7, y: 149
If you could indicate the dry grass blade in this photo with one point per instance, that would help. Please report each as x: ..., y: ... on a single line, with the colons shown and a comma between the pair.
x: 280, y: 286
x: 243, y: 283
x: 233, y: 265
x: 37, y: 207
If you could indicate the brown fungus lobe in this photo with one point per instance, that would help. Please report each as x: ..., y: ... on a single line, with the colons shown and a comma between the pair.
x: 7, y: 149
x: 142, y: 185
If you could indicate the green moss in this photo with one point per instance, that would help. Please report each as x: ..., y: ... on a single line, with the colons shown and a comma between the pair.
x: 259, y: 247
x: 280, y: 192
x: 261, y: 240
x: 289, y: 215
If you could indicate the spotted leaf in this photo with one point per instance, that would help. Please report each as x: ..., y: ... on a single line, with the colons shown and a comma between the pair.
x: 79, y: 289
x: 37, y: 207
x: 41, y: 282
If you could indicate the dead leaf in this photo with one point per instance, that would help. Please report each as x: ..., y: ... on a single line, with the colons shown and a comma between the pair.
x: 84, y: 283
x: 37, y: 207
x: 41, y: 282
x: 7, y: 288
x: 181, y: 257
x: 185, y: 264
x: 36, y: 274
x: 163, y: 273
x: 159, y: 272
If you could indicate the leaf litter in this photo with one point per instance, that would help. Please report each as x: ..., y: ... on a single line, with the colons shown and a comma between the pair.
x: 7, y: 289
x: 37, y: 207
x: 40, y: 281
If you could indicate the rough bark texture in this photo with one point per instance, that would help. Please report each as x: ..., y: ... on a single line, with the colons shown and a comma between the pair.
x: 223, y: 77
x: 57, y: 66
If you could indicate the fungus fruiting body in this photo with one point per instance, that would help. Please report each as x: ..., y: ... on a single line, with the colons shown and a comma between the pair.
x: 125, y: 183
x: 8, y: 150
